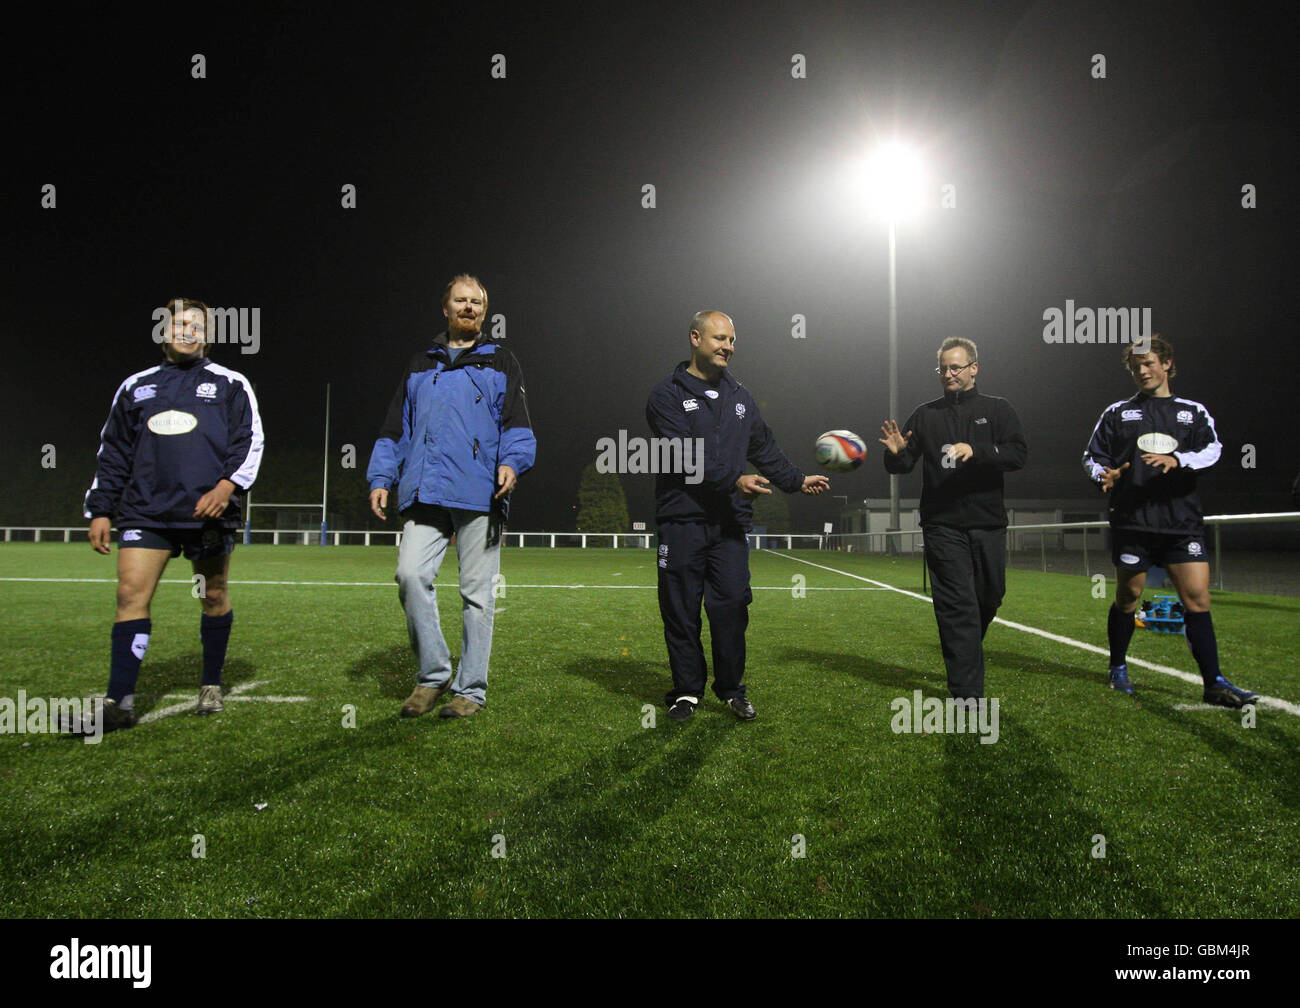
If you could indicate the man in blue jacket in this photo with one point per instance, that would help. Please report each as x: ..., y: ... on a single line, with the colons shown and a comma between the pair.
x: 456, y: 439
x: 703, y: 516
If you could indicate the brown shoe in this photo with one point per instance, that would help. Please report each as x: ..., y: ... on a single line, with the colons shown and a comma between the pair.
x: 459, y: 706
x: 422, y: 699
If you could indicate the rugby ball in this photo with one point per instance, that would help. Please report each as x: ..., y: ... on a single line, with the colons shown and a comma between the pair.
x: 840, y: 451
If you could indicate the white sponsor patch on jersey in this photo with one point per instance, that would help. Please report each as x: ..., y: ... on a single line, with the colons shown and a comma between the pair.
x: 711, y: 393
x: 740, y: 410
x: 1131, y: 414
x: 1184, y: 416
x: 143, y: 392
x: 173, y: 422
x: 690, y: 404
x: 208, y: 390
x: 1160, y: 444
x: 1129, y: 558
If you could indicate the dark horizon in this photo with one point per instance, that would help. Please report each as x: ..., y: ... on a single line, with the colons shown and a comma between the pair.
x: 1117, y: 192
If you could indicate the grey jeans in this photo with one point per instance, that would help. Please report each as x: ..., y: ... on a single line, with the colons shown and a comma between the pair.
x: 425, y: 538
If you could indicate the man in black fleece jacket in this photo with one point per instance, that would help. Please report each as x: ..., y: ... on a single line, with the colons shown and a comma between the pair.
x: 967, y: 440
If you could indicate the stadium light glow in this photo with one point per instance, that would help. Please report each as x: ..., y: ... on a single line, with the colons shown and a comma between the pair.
x: 893, y: 183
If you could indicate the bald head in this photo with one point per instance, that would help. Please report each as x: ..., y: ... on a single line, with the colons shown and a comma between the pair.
x: 713, y: 341
x: 709, y: 317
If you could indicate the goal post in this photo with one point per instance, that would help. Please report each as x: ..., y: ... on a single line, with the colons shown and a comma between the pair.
x: 303, y: 518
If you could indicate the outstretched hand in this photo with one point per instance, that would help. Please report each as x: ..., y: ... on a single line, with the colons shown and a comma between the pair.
x: 894, y: 440
x: 815, y: 484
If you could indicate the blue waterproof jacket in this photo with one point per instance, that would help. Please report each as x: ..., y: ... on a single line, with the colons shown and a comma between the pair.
x: 450, y: 424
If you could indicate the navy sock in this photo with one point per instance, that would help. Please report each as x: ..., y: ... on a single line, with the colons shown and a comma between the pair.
x: 1119, y: 631
x: 130, y: 642
x: 214, y: 632
x: 1204, y: 645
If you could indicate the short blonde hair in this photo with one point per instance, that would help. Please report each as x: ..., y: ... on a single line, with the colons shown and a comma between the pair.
x: 952, y: 343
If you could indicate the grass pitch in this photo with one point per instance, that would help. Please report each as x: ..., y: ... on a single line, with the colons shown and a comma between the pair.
x: 558, y: 800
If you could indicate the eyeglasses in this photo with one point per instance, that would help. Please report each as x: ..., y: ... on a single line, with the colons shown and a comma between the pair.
x: 952, y: 369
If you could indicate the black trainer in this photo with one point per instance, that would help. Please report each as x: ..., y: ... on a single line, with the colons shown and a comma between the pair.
x: 742, y: 708
x: 1224, y: 694
x: 683, y: 708
x: 109, y: 717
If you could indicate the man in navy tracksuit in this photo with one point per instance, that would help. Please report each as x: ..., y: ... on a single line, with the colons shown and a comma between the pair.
x: 182, y: 441
x: 456, y: 438
x: 967, y: 440
x: 1145, y: 452
x: 704, y: 514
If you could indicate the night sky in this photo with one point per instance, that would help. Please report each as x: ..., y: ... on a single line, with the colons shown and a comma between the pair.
x: 1122, y: 191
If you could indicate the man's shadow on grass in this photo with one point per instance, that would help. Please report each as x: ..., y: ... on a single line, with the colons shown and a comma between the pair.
x: 625, y: 677
x: 1229, y: 603
x: 391, y: 670
x: 890, y: 675
x: 1239, y: 747
x: 1018, y: 844
x: 567, y: 837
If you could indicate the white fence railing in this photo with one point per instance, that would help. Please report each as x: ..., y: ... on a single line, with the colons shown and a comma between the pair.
x: 1066, y: 535
x: 392, y: 537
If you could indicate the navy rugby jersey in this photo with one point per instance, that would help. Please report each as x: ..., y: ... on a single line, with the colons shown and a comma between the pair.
x: 1145, y: 498
x: 173, y: 431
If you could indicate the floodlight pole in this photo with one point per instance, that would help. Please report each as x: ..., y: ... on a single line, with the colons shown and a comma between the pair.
x: 893, y: 368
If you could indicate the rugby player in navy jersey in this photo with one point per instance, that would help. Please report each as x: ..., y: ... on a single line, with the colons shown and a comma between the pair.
x: 182, y: 443
x: 1146, y: 452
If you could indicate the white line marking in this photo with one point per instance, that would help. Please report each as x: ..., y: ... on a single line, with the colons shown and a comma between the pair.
x: 1266, y: 701
x: 232, y: 694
